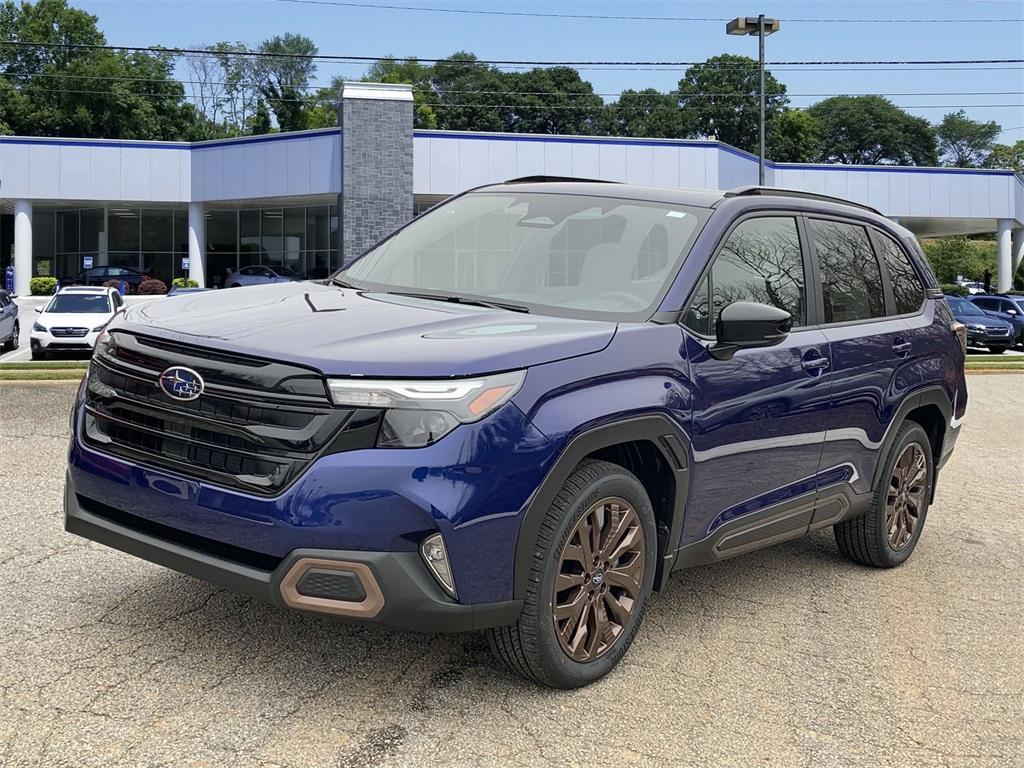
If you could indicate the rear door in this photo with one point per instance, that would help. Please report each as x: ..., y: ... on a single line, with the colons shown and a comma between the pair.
x: 757, y: 418
x: 870, y: 343
x: 8, y: 311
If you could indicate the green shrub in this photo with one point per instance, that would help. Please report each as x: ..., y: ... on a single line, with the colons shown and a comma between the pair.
x: 184, y: 282
x: 953, y: 256
x: 42, y: 286
x: 954, y: 290
x: 152, y: 287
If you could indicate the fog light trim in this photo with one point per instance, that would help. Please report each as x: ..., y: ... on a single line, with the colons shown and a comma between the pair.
x: 435, y: 555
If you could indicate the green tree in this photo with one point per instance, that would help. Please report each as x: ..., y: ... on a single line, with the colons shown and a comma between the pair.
x: 965, y: 143
x: 647, y: 113
x: 872, y: 130
x: 552, y: 100
x: 951, y: 257
x: 470, y: 96
x: 794, y: 136
x: 259, y: 122
x: 1007, y: 156
x: 85, y: 92
x: 409, y: 72
x: 721, y: 98
x: 284, y: 70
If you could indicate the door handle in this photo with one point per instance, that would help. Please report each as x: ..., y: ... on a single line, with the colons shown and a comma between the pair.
x: 816, y: 364
x: 901, y: 347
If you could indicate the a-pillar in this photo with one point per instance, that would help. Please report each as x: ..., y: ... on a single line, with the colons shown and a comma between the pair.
x: 22, y: 246
x: 197, y: 243
x: 1004, y: 280
x: 376, y: 164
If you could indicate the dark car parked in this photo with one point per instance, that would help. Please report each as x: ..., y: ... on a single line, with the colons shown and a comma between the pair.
x: 527, y: 408
x: 10, y: 328
x: 101, y: 275
x: 1005, y: 307
x: 983, y: 329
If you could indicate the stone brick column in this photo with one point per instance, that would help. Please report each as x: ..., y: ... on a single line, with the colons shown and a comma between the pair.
x: 376, y: 164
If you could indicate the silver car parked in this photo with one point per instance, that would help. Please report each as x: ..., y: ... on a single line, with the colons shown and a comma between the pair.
x: 261, y: 275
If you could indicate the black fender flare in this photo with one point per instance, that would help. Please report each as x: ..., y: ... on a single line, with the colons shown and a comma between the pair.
x: 931, y: 395
x: 656, y: 428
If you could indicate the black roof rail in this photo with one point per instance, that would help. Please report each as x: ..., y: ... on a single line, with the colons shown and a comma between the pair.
x: 754, y: 190
x: 543, y: 179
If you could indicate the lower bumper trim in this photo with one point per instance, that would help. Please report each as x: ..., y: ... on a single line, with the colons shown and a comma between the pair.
x: 399, y: 591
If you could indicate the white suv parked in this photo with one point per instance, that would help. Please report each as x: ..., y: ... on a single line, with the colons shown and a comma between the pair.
x: 73, y: 320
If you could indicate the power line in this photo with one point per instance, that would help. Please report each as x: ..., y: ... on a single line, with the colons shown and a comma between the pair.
x: 539, y: 63
x: 602, y: 17
x: 572, y: 94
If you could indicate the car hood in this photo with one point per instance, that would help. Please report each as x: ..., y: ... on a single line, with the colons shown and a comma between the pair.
x: 984, y: 320
x: 346, y: 332
x: 88, y: 320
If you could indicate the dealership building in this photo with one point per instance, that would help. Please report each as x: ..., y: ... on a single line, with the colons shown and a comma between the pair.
x: 312, y: 200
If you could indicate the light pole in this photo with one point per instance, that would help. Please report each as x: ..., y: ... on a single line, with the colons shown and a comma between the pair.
x: 762, y: 27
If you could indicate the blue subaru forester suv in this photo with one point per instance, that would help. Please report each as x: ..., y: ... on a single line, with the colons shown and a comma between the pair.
x: 527, y: 408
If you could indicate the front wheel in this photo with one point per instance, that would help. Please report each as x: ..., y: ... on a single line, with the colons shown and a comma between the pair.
x: 886, y: 535
x: 590, y: 578
x: 997, y: 350
x: 38, y: 354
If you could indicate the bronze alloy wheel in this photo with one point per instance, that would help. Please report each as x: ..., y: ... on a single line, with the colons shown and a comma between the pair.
x: 599, y: 579
x: 905, y: 500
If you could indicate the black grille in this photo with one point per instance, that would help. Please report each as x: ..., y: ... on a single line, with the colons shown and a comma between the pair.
x: 331, y: 585
x: 256, y: 427
x: 69, y: 332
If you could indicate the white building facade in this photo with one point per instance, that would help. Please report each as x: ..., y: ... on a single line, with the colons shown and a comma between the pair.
x: 203, y: 209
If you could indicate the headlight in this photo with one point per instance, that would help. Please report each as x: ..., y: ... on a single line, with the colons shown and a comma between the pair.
x: 99, y: 328
x: 976, y: 327
x: 40, y: 328
x: 421, y: 412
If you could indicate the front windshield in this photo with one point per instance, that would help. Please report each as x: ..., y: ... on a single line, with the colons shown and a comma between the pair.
x: 79, y: 303
x: 569, y: 255
x: 964, y: 307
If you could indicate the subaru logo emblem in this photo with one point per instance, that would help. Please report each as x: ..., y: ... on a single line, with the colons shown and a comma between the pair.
x: 598, y: 578
x: 181, y: 383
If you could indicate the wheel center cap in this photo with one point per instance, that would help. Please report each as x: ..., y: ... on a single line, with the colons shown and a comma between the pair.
x: 597, y: 578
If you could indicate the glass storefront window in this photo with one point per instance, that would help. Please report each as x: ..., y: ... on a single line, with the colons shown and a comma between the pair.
x: 158, y: 230
x: 272, y: 222
x: 67, y: 231
x: 43, y: 244
x: 124, y: 230
x: 248, y: 238
x: 94, y: 237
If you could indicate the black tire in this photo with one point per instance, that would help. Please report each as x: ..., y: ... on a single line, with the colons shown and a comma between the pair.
x: 997, y: 350
x: 39, y: 354
x: 12, y: 343
x: 866, y: 540
x: 531, y: 647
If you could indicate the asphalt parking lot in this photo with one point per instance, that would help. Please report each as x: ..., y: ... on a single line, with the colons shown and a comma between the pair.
x: 790, y: 656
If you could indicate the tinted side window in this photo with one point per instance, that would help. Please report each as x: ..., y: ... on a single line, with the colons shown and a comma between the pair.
x: 907, y: 289
x: 985, y: 303
x: 851, y: 280
x: 761, y: 262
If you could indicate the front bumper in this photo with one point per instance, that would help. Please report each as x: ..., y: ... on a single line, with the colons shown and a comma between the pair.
x: 390, y: 588
x: 47, y: 341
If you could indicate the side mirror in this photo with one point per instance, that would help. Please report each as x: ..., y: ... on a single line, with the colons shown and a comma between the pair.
x: 747, y: 325
x: 39, y: 310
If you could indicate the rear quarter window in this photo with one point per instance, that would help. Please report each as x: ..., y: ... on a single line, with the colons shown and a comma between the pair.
x: 851, y: 279
x: 907, y: 289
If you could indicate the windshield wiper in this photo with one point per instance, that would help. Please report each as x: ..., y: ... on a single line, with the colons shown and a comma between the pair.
x: 472, y: 301
x: 341, y: 283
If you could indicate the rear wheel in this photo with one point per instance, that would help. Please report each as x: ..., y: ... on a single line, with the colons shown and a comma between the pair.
x: 887, y: 534
x: 591, y: 575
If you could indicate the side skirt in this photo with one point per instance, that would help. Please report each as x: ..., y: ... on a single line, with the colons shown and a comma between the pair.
x: 787, y: 520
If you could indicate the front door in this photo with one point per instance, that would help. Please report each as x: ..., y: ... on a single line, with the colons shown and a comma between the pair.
x: 758, y: 419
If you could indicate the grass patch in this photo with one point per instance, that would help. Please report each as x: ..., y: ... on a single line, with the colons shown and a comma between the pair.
x: 70, y: 374
x: 50, y: 365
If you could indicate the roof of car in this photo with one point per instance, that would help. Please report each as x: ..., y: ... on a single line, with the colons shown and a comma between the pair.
x: 700, y: 198
x: 85, y: 289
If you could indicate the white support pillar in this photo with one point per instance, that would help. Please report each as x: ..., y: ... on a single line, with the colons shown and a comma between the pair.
x: 197, y: 243
x: 22, y: 246
x: 1017, y: 250
x: 1004, y: 279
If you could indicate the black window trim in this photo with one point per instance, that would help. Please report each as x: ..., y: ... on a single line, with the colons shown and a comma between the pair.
x: 813, y: 293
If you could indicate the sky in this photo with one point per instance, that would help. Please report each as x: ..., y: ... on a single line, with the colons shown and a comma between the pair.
x: 985, y: 94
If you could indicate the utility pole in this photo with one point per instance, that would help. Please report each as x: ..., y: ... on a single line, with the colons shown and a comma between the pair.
x: 762, y: 27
